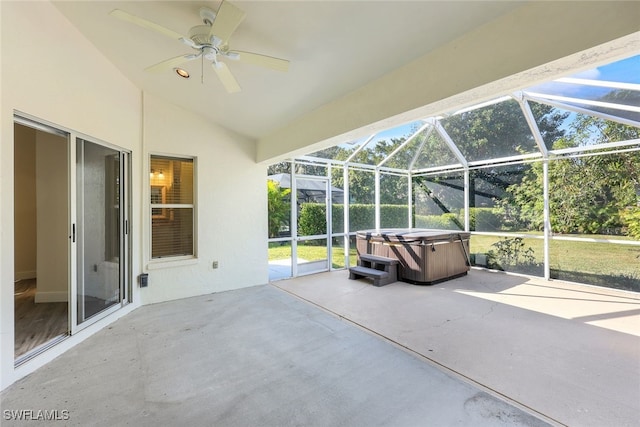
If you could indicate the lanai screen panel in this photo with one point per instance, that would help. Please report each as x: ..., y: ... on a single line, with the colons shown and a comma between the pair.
x: 494, y: 131
x: 405, y: 151
x: 562, y: 129
x: 438, y: 201
x: 339, y: 152
x: 592, y: 195
x: 394, y: 206
x: 361, y: 199
x: 383, y: 144
x: 435, y: 153
x: 612, y: 89
x: 506, y: 198
x: 582, y: 261
x: 514, y: 254
x: 337, y: 200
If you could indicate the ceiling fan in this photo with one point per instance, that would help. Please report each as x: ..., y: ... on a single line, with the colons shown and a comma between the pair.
x: 210, y: 42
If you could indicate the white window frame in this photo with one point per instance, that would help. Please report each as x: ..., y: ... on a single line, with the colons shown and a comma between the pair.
x: 177, y: 260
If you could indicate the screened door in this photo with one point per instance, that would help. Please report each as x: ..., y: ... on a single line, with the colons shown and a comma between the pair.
x: 313, y: 242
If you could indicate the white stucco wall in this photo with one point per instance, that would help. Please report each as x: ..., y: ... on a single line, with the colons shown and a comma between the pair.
x: 231, y: 205
x: 50, y: 72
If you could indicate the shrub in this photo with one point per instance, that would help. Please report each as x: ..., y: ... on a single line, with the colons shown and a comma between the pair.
x: 394, y: 216
x: 511, y: 252
x: 312, y: 219
x: 631, y: 220
x: 484, y: 219
x: 361, y: 217
x: 278, y: 207
x: 446, y: 221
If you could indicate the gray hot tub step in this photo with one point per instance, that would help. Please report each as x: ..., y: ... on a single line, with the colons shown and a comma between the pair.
x: 382, y: 270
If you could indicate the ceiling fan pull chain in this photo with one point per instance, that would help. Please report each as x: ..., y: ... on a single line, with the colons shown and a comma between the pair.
x: 202, y: 70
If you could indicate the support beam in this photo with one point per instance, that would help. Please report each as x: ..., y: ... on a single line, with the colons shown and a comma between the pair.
x: 546, y: 219
x: 377, y: 198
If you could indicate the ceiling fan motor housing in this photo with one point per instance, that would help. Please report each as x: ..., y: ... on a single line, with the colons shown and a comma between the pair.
x: 200, y: 34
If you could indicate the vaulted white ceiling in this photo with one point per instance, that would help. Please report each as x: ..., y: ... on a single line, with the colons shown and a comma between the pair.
x: 334, y: 47
x: 355, y: 64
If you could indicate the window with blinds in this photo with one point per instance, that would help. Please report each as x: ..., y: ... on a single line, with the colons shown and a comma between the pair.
x: 172, y: 206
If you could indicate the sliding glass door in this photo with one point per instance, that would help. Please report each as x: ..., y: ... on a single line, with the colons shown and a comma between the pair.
x: 101, y: 230
x: 71, y: 234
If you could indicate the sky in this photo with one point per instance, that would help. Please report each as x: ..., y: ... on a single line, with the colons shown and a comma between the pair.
x: 625, y: 71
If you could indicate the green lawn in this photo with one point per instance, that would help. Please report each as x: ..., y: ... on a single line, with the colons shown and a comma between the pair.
x: 279, y: 251
x: 603, y: 264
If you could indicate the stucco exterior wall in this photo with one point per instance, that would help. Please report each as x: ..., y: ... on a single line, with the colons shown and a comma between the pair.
x: 51, y: 73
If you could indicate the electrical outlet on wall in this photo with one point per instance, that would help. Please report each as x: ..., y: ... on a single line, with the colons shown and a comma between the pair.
x: 214, y: 264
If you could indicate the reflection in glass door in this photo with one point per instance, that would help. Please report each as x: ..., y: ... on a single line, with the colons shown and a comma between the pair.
x: 100, y: 222
x: 312, y: 243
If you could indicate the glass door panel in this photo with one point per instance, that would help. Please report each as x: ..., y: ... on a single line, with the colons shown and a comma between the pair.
x: 98, y: 186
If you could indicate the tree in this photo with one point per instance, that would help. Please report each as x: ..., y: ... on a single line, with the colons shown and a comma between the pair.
x: 281, y: 167
x: 587, y: 194
x: 496, y: 131
x: 362, y: 182
x: 500, y: 130
x: 278, y: 208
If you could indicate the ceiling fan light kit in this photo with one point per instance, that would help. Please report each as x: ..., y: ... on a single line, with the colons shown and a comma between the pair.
x: 210, y: 41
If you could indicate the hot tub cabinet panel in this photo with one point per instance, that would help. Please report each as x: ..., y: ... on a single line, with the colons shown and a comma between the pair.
x: 425, y: 256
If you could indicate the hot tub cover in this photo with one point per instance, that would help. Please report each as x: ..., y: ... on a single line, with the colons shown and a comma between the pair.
x: 411, y: 235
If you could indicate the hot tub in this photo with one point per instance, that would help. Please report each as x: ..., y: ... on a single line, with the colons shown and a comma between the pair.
x: 425, y: 256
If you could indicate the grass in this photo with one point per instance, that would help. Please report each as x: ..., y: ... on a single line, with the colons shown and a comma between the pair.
x: 602, y: 264
x: 278, y: 251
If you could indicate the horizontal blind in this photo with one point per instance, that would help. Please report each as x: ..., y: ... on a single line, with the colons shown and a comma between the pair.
x: 172, y: 207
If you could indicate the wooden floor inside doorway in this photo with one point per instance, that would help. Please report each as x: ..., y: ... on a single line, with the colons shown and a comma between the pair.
x: 36, y: 324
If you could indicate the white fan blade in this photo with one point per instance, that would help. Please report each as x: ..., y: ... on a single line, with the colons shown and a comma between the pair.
x: 141, y: 22
x: 226, y: 22
x: 228, y: 81
x: 170, y: 63
x: 262, y: 60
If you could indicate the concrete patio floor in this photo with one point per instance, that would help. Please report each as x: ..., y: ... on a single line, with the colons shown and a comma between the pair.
x: 484, y: 350
x: 566, y: 351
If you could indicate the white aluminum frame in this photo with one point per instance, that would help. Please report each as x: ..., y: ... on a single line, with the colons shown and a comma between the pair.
x: 544, y: 155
